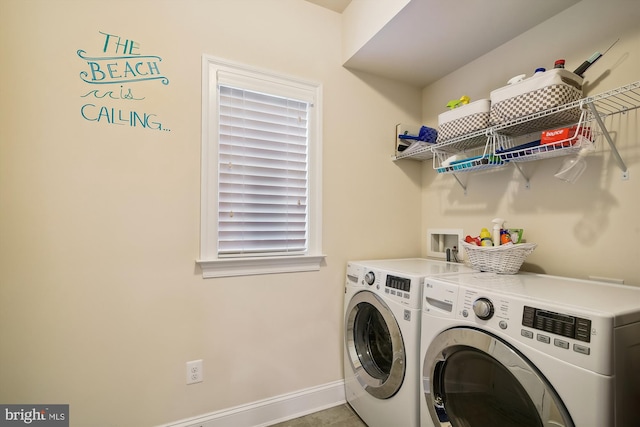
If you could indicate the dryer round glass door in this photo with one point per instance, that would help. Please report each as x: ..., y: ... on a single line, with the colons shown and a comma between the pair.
x: 374, y: 344
x: 474, y: 379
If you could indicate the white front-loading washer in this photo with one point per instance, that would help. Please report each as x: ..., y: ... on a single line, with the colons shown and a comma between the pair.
x: 529, y: 350
x: 382, y: 337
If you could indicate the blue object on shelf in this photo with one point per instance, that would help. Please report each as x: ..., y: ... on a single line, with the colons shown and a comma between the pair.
x: 467, y: 160
x: 514, y: 152
x: 425, y: 134
x: 471, y: 163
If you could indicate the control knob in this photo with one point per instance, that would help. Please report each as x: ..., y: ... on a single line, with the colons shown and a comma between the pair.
x: 370, y: 278
x: 483, y: 308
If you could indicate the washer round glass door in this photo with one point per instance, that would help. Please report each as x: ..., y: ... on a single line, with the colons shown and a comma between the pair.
x: 374, y: 344
x: 473, y: 379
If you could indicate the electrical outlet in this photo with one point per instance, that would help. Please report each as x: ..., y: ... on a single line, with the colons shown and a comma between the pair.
x: 194, y: 372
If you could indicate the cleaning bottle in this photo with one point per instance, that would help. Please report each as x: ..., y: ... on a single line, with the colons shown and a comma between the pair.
x: 559, y: 63
x: 485, y: 238
x: 497, y: 226
x: 505, y: 237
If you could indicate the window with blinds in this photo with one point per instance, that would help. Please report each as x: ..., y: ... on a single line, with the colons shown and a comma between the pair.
x: 262, y: 173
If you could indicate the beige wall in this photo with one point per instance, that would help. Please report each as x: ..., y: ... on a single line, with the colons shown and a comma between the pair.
x: 101, y: 303
x: 586, y: 229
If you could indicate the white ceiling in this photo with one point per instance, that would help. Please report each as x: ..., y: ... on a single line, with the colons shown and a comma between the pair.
x: 335, y: 5
x: 431, y: 38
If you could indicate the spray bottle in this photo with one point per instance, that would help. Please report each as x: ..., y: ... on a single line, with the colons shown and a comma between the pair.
x: 497, y: 226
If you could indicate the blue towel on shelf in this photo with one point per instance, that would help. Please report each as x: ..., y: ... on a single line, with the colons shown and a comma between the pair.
x: 425, y: 134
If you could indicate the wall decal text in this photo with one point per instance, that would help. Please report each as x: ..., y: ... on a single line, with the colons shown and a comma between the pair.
x: 119, y: 64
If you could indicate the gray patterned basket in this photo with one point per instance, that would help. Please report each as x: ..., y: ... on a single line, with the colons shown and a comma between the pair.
x: 538, y: 93
x: 463, y: 125
x: 535, y: 101
x: 503, y: 259
x: 463, y: 120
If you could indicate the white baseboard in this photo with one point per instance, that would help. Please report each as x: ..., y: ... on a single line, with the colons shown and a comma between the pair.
x: 273, y: 410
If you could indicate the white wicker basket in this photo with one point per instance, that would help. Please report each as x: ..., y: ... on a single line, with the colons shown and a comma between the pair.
x: 503, y: 259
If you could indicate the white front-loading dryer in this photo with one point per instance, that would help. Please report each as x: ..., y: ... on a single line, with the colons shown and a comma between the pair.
x: 529, y: 350
x: 382, y: 310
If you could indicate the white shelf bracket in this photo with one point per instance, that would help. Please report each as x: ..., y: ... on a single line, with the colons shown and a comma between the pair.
x: 527, y: 183
x: 461, y: 184
x: 605, y: 132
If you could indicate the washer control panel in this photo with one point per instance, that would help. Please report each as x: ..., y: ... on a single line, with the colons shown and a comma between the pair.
x: 370, y: 278
x: 403, y: 289
x: 483, y: 308
x: 557, y: 323
x: 400, y: 283
x: 398, y: 288
x: 577, y: 336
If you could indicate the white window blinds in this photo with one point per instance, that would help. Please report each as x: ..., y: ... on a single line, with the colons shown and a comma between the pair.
x: 262, y: 173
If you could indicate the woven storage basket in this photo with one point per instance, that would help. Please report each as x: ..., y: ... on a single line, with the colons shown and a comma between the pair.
x: 503, y: 259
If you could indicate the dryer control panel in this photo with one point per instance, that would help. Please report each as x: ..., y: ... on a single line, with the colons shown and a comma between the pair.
x: 557, y: 323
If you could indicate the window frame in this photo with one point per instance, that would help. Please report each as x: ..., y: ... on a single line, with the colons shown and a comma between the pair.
x: 210, y: 262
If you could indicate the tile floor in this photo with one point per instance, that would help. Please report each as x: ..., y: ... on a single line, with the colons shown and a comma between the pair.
x: 339, y: 416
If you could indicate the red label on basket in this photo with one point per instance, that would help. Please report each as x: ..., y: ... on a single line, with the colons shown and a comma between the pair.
x: 565, y: 136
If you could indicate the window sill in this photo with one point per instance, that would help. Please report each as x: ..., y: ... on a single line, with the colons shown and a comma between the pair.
x: 259, y: 265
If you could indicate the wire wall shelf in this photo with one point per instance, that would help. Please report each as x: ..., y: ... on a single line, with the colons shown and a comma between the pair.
x: 496, y: 145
